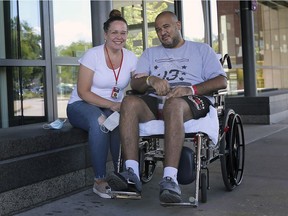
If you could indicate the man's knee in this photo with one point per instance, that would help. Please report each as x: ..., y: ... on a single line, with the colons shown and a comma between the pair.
x: 129, y: 102
x: 172, y: 104
x: 175, y: 107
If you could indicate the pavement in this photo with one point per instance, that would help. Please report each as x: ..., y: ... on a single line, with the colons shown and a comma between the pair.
x: 263, y: 191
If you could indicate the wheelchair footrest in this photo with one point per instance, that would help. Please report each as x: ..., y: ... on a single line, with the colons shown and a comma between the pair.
x: 125, y: 195
x: 182, y: 204
x: 192, y: 203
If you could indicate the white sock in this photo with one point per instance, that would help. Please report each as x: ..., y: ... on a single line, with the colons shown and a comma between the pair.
x: 134, y: 165
x: 171, y: 172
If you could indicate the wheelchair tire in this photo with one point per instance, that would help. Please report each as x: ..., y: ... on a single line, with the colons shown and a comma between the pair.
x: 237, y: 150
x: 146, y: 167
x: 232, y: 150
x: 203, y: 184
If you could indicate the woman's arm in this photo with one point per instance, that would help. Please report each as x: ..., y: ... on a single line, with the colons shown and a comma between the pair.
x: 84, y: 83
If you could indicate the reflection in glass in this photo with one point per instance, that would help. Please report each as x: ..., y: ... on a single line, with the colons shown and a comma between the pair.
x: 72, y: 27
x: 28, y: 91
x: 230, y: 42
x: 153, y: 9
x: 133, y: 15
x: 214, y: 26
x: 132, y: 12
x: 4, y: 122
x: 23, y: 37
x: 270, y: 27
x: 66, y: 82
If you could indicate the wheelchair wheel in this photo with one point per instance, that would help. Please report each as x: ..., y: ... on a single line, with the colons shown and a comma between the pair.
x: 237, y: 150
x: 232, y: 150
x: 146, y: 167
x: 203, y: 183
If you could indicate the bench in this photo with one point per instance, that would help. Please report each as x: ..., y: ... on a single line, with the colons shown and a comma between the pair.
x: 38, y: 165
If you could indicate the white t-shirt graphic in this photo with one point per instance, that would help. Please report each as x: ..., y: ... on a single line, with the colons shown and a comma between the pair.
x: 190, y: 64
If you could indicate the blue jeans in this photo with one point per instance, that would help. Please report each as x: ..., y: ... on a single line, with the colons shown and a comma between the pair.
x: 85, y: 116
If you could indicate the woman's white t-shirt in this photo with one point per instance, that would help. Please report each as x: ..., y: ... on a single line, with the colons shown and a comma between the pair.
x: 104, y: 78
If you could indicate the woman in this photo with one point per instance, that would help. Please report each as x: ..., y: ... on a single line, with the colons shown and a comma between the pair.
x: 104, y: 73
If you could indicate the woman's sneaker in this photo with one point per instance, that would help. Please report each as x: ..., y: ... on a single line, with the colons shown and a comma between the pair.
x: 102, y: 189
x: 169, y: 191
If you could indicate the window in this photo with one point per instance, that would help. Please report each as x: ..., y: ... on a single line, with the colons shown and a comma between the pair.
x: 72, y: 27
x: 230, y: 42
x: 66, y: 82
x: 73, y: 36
x: 193, y: 22
x: 23, y: 36
x: 141, y: 28
x: 271, y: 39
x: 22, y: 54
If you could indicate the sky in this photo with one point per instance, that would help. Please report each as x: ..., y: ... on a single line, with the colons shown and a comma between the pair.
x: 68, y: 16
x: 193, y: 18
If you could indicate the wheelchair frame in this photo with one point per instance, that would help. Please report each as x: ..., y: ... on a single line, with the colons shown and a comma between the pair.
x: 230, y: 149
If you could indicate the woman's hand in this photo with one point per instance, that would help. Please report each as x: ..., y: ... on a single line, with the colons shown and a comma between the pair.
x: 116, y: 106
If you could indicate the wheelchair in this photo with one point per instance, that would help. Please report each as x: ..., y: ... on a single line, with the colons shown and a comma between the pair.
x: 195, y: 159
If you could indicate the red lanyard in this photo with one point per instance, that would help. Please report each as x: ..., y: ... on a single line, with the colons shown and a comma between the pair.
x: 116, y: 76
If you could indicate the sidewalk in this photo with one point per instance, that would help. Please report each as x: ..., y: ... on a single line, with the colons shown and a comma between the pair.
x: 262, y: 192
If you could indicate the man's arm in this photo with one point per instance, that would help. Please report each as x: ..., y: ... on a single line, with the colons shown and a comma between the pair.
x: 138, y: 82
x: 211, y: 86
x: 205, y: 88
x: 142, y: 83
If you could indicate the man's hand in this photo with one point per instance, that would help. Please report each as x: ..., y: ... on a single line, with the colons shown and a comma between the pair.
x: 161, y: 86
x: 179, y: 91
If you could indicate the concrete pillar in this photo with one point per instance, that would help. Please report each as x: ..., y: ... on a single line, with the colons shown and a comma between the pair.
x: 247, y: 28
x: 99, y: 14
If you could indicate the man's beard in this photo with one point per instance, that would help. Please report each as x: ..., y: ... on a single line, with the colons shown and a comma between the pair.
x: 175, y: 42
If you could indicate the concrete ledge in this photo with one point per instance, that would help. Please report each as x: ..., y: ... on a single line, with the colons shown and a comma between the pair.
x: 38, y: 165
x: 28, y: 169
x: 266, y: 108
x: 32, y: 195
x: 28, y: 139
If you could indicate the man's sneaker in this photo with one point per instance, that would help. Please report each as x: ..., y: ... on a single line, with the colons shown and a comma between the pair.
x: 169, y: 191
x: 102, y: 189
x: 122, y: 181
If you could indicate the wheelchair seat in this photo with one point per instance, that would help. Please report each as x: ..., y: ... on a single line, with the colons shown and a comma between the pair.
x: 208, y: 125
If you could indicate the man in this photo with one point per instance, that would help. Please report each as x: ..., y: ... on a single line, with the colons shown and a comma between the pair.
x: 182, y: 72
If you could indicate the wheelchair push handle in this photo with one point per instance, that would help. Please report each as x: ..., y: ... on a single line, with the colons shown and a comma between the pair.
x: 226, y: 58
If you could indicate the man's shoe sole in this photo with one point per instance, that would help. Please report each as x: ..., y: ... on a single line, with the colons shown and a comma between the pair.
x: 117, y: 182
x: 169, y: 197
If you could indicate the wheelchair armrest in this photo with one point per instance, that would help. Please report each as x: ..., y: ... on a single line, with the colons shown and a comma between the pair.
x: 219, y: 97
x: 133, y: 92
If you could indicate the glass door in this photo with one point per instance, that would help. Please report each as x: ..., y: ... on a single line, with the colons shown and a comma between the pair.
x: 22, y: 68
